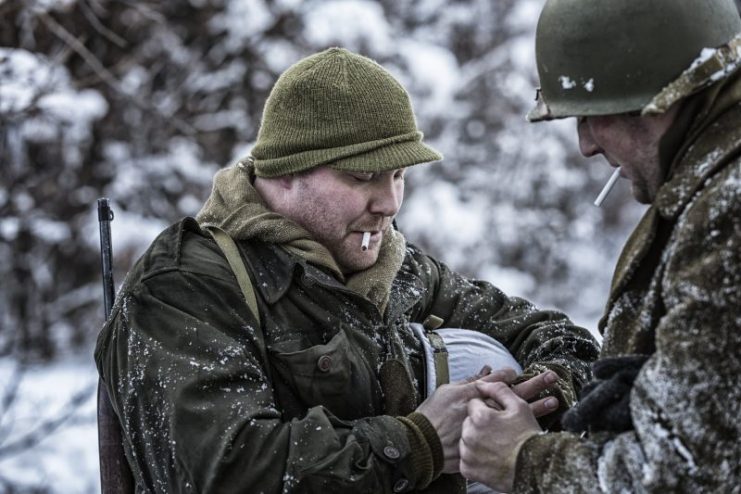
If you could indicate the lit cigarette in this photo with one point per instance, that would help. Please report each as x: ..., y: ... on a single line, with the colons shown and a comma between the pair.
x: 607, y: 188
x: 366, y: 241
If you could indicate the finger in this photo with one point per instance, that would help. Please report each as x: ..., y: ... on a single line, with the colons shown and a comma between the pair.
x: 492, y: 404
x: 485, y: 371
x: 466, y: 391
x: 544, y: 406
x: 534, y: 386
x: 479, y: 412
x: 500, y: 393
x: 505, y: 374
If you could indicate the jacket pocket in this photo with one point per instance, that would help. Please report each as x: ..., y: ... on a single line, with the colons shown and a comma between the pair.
x: 330, y: 375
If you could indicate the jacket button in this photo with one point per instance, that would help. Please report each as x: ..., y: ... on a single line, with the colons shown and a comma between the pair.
x: 324, y: 363
x: 401, y: 485
x: 391, y: 453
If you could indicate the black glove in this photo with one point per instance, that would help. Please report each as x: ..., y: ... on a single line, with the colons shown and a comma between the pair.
x: 604, y: 403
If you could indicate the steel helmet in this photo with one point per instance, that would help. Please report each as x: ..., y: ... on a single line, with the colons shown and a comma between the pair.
x: 603, y: 57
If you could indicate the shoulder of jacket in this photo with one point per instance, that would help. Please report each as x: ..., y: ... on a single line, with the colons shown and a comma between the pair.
x: 718, y: 201
x: 419, y: 263
x: 181, y: 246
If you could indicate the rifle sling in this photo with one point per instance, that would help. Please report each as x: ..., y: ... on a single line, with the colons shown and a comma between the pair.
x: 229, y: 247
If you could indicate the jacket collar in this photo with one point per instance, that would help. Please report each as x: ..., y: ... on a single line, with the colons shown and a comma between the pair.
x: 274, y: 270
x: 719, y: 143
x: 272, y: 267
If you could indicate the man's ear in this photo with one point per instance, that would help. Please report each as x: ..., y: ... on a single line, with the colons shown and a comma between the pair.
x: 282, y: 183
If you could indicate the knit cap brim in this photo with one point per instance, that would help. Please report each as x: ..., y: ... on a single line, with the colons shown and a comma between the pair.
x: 392, y: 157
x: 376, y: 156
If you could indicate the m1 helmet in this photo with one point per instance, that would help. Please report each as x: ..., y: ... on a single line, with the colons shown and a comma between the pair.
x: 604, y: 57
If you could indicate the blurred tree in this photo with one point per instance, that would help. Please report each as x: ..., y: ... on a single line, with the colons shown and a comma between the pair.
x: 143, y: 100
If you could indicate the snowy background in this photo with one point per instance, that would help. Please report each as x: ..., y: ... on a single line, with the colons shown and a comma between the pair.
x: 142, y: 101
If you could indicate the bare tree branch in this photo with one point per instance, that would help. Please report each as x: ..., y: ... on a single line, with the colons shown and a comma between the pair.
x: 47, y: 426
x: 89, y: 14
x: 10, y: 393
x: 106, y: 76
x: 80, y: 49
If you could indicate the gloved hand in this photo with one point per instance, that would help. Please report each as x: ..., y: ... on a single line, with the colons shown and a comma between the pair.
x: 604, y: 403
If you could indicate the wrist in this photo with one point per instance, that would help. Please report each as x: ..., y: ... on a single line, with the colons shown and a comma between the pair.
x: 426, y: 449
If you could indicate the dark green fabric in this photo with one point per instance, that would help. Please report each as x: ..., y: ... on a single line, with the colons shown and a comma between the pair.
x: 676, y: 296
x: 614, y: 57
x: 339, y: 108
x: 425, y: 447
x: 180, y: 362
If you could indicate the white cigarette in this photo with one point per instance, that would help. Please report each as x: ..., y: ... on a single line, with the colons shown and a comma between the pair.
x: 608, y: 187
x: 366, y: 241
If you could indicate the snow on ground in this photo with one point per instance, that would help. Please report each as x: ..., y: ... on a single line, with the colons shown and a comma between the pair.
x: 66, y: 461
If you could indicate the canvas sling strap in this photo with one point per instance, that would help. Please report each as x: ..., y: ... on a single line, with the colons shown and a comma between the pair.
x: 229, y: 247
x: 440, y: 353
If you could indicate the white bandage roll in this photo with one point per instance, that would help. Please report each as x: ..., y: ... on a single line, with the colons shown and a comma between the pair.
x: 468, y: 351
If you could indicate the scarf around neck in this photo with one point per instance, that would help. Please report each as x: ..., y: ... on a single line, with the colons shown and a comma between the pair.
x: 236, y: 207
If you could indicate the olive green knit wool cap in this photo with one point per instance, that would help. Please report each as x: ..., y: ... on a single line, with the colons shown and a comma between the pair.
x: 341, y: 109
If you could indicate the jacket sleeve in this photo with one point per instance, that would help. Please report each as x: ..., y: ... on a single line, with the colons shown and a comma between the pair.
x: 198, y: 411
x: 538, y: 339
x: 685, y: 400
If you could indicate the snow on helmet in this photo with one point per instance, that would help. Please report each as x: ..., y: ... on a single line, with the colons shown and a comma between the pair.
x: 604, y: 57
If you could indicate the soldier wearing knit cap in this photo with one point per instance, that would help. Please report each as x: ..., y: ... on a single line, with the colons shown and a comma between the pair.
x: 261, y: 349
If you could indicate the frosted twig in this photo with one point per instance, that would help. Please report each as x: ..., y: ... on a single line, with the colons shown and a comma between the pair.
x: 80, y: 49
x: 47, y: 426
x: 89, y: 14
x: 105, y: 75
x: 10, y: 393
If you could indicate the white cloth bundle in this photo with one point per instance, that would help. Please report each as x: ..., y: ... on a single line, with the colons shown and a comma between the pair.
x: 468, y: 351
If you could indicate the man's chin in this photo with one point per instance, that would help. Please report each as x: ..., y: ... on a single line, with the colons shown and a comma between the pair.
x: 359, y: 262
x: 642, y: 195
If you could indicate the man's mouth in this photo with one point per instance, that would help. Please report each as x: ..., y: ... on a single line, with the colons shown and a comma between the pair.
x: 367, y: 237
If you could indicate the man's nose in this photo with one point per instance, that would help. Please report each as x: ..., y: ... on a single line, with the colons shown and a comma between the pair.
x: 387, y: 197
x: 587, y: 145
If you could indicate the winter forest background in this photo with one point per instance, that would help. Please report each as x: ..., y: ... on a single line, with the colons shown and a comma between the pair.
x: 143, y: 100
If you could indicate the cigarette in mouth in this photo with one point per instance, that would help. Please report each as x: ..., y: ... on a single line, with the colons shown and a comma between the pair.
x: 607, y: 188
x: 366, y: 241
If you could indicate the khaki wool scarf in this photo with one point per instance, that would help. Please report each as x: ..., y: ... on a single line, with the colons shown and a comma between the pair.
x: 237, y: 208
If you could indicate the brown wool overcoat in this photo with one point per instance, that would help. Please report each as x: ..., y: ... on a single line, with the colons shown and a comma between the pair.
x: 676, y: 295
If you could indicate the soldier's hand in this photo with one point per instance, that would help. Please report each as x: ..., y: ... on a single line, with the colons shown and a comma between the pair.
x: 493, y: 435
x: 530, y: 389
x: 446, y: 409
x: 527, y: 390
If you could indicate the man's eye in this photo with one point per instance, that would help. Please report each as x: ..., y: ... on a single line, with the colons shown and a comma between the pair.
x: 399, y: 175
x: 362, y: 177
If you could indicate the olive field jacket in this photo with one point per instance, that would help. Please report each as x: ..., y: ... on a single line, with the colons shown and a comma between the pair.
x: 324, y: 405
